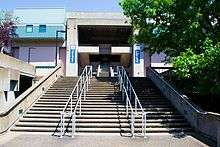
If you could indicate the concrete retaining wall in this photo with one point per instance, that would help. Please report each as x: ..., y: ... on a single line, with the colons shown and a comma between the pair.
x: 204, y: 122
x: 15, y: 64
x: 25, y: 100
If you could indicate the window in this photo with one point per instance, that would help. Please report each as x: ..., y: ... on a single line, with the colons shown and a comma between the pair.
x: 42, y: 28
x: 29, y: 28
x: 13, y: 85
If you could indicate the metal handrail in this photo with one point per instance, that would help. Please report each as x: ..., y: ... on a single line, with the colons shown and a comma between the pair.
x: 168, y: 85
x: 80, y: 88
x: 126, y: 86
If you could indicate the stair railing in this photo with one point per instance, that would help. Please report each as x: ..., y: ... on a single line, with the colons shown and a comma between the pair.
x: 78, y: 92
x: 129, y: 93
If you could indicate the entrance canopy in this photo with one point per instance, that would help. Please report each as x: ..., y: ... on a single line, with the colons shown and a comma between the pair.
x: 95, y: 35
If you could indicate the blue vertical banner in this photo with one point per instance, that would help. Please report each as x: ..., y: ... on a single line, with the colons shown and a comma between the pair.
x: 137, y: 54
x: 72, y: 54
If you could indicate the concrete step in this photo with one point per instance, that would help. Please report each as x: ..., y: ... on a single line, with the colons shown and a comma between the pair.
x: 97, y: 116
x: 98, y: 101
x: 104, y: 110
x: 125, y: 120
x: 100, y: 112
x: 103, y: 125
x: 84, y: 102
x: 102, y: 130
x: 99, y: 106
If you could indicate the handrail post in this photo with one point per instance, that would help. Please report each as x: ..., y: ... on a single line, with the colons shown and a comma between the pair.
x: 129, y: 93
x: 73, y: 124
x: 132, y: 124
x: 135, y: 105
x: 86, y: 70
x: 80, y: 106
x: 71, y: 103
x: 145, y: 124
x: 61, y: 125
x: 77, y: 91
x: 91, y: 71
x: 127, y: 106
x: 80, y: 90
x: 80, y: 82
x: 123, y: 94
x: 87, y: 84
x: 84, y: 92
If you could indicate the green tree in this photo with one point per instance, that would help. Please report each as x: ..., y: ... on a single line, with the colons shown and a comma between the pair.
x: 203, y: 68
x: 180, y: 29
x: 173, y: 26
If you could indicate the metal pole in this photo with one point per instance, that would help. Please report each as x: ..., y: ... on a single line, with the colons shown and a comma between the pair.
x: 29, y: 54
x: 91, y: 72
x: 87, y: 84
x: 135, y: 105
x: 71, y: 103
x: 142, y: 118
x: 84, y: 91
x: 77, y: 91
x: 130, y: 91
x: 132, y: 124
x: 80, y: 103
x: 123, y: 94
x: 80, y: 83
x: 73, y: 124
x: 61, y: 125
x: 56, y: 48
x: 127, y: 106
x: 145, y: 125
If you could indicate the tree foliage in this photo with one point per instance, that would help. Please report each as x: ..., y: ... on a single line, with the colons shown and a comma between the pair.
x: 188, y: 31
x: 173, y: 26
x: 203, y: 68
x: 7, y: 28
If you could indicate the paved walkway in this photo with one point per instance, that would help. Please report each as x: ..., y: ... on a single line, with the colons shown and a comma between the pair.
x: 42, y: 140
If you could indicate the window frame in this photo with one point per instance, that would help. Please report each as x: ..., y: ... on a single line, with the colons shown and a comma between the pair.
x: 30, y: 26
x: 44, y: 29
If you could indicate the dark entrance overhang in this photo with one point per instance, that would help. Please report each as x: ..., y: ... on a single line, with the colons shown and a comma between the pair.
x: 95, y: 35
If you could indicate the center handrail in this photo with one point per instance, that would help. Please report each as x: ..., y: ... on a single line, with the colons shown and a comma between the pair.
x: 127, y: 88
x: 80, y: 88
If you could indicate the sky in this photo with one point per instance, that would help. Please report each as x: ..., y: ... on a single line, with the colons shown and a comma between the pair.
x: 70, y: 5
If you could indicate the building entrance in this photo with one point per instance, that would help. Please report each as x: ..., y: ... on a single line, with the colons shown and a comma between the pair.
x: 103, y: 63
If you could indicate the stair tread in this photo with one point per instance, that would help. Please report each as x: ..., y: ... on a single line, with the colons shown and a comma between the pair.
x: 103, y: 111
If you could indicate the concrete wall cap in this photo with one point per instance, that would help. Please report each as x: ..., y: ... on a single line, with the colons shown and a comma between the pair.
x: 27, y: 92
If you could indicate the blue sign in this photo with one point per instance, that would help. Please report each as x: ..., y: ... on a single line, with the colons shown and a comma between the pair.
x: 72, y: 54
x: 137, y: 56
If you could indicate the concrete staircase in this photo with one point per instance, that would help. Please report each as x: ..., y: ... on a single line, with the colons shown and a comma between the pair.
x: 44, y: 115
x: 162, y: 116
x: 103, y: 111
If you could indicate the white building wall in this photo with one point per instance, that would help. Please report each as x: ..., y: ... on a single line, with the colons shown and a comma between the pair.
x: 41, y: 15
x: 88, y: 49
x: 121, y: 50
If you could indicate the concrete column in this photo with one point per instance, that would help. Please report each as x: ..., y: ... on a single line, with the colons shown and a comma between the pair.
x: 72, y: 48
x: 125, y: 60
x: 147, y: 61
x: 2, y: 101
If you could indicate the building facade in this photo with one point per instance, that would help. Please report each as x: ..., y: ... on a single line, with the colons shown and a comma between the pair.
x: 48, y: 37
